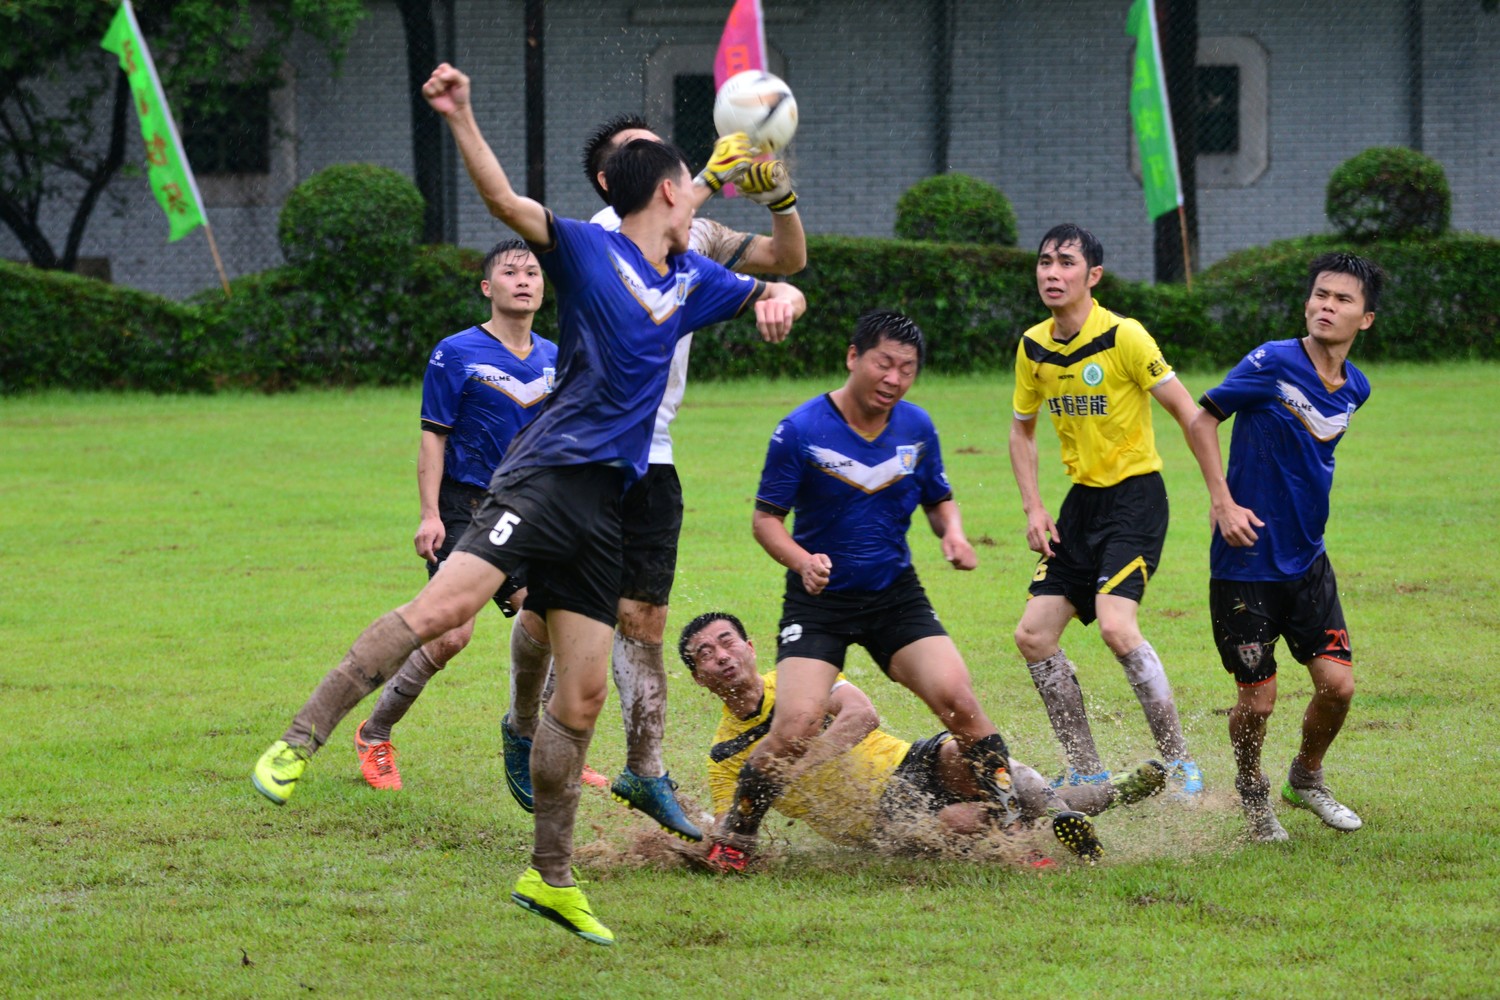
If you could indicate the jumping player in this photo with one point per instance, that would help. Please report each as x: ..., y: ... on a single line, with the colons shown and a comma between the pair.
x: 1292, y: 401
x: 553, y: 506
x: 481, y: 387
x: 853, y: 465
x: 1095, y: 373
x: 856, y: 783
x: 652, y: 509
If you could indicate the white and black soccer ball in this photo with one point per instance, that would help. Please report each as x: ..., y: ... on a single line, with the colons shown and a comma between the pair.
x: 759, y: 104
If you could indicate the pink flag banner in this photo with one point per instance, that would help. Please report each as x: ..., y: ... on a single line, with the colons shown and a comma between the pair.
x: 743, y: 44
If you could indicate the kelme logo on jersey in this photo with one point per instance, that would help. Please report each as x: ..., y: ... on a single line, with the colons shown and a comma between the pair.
x: 906, y: 454
x: 1092, y: 374
x: 549, y: 376
x: 791, y: 633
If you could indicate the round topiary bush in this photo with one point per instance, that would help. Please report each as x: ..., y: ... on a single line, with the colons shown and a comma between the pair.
x: 955, y: 208
x: 1389, y: 192
x: 351, y: 218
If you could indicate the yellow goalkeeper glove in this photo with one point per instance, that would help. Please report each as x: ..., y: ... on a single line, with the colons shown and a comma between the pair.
x: 730, y: 159
x: 770, y: 185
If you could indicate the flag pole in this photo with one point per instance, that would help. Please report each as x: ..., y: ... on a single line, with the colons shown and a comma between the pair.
x: 1187, y: 256
x: 213, y: 248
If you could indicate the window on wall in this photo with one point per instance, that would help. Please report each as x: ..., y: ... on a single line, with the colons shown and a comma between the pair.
x: 1233, y: 128
x: 233, y: 134
x: 1218, y: 109
x: 693, y: 116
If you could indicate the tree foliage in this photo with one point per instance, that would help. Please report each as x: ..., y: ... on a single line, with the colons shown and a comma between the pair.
x: 65, y: 131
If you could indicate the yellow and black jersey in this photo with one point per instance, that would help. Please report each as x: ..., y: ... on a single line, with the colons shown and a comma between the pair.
x: 839, y: 799
x: 1097, y: 388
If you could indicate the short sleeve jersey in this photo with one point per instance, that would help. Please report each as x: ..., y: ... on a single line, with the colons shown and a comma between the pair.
x: 1096, y: 386
x: 619, y: 318
x: 839, y: 799
x: 722, y: 245
x: 1287, y: 422
x: 478, y: 393
x: 852, y: 498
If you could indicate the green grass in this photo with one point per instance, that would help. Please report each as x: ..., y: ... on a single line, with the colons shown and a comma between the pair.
x: 179, y: 573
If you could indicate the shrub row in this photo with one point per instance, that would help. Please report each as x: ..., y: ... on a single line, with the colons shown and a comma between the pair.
x: 281, y: 329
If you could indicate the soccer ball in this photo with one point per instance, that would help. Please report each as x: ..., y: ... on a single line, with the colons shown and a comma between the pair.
x: 760, y: 105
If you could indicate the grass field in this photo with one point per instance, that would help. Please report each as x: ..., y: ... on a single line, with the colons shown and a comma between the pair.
x: 180, y: 572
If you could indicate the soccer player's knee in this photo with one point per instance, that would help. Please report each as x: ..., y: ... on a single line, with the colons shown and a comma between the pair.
x: 1120, y: 636
x: 448, y: 645
x: 1338, y: 687
x: 645, y: 623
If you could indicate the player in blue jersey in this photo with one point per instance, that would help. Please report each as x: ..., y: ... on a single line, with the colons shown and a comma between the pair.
x: 652, y: 509
x: 853, y: 465
x: 481, y: 386
x: 553, y: 506
x: 1270, y: 576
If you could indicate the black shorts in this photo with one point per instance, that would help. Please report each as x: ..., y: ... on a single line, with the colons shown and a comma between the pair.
x: 882, y: 621
x: 1111, y: 539
x: 917, y: 784
x: 559, y: 527
x: 651, y: 521
x: 1250, y: 615
x: 457, y: 504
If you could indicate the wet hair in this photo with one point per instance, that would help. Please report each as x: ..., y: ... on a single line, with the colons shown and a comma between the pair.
x: 887, y: 324
x: 1371, y: 278
x: 1069, y: 232
x: 597, y: 150
x: 502, y: 249
x: 635, y: 170
x: 700, y: 623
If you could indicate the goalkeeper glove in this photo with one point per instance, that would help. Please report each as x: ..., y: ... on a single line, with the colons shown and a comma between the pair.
x: 770, y: 185
x: 730, y: 159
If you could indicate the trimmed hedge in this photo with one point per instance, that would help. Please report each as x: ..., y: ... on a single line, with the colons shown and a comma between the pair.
x: 58, y: 330
x: 1439, y: 302
x: 972, y: 301
x: 955, y: 208
x: 349, y: 220
x: 1389, y: 193
x: 284, y: 328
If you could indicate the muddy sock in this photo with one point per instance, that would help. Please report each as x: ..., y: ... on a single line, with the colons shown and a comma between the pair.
x: 1036, y: 796
x: 1301, y: 777
x: 1057, y: 682
x: 399, y: 694
x: 374, y: 656
x: 1149, y: 681
x: 557, y: 754
x: 641, y: 681
x: 530, y: 663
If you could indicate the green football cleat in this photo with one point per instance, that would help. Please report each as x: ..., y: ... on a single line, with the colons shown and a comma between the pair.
x: 1320, y: 802
x: 276, y: 773
x: 565, y: 906
x: 1142, y: 783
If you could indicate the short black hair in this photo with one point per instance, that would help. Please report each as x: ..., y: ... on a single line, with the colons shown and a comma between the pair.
x: 636, y: 168
x: 597, y: 150
x: 700, y: 623
x: 887, y: 324
x: 1371, y: 278
x: 499, y: 250
x: 1071, y: 232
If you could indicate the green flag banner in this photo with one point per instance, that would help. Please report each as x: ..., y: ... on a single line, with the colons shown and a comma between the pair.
x: 171, y: 177
x: 1151, y: 114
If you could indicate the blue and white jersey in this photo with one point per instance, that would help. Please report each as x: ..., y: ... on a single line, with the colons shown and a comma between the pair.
x: 852, y: 498
x: 619, y: 318
x: 1286, y: 424
x: 478, y: 394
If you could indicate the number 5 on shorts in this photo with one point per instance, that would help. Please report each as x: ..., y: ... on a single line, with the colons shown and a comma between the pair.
x: 500, y: 533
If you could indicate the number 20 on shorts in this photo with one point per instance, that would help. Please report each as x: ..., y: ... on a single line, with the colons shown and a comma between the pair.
x: 500, y: 533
